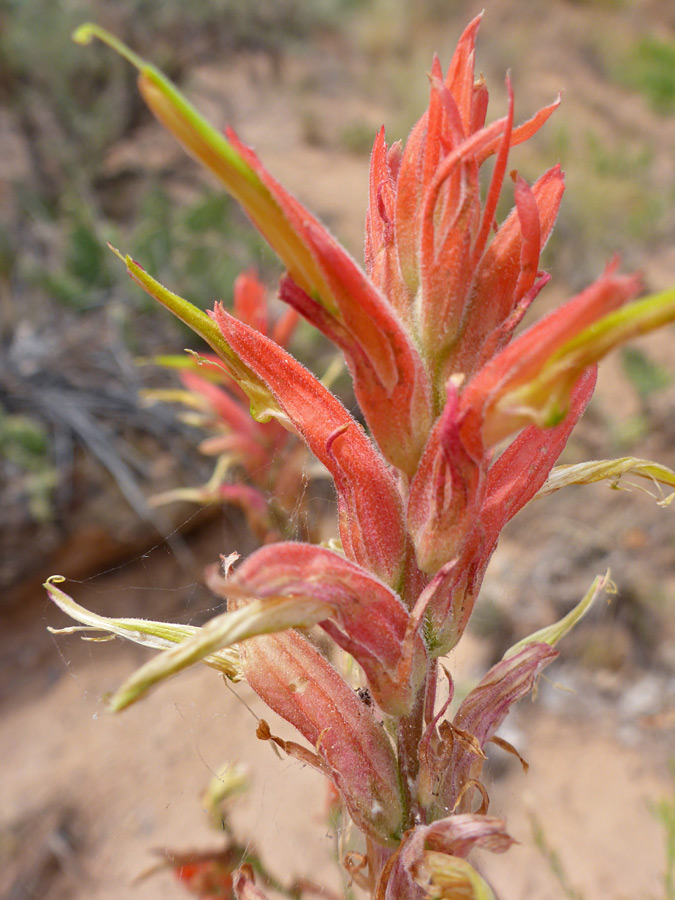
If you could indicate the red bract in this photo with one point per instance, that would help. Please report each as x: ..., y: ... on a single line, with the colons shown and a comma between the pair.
x: 271, y: 461
x: 208, y: 876
x: 427, y: 331
x: 376, y: 633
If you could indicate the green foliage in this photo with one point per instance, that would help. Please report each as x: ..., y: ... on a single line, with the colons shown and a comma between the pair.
x: 263, y: 23
x: 83, y: 102
x: 23, y: 441
x: 553, y: 860
x: 650, y: 69
x: 36, y: 32
x: 646, y: 376
x: 25, y: 459
x: 83, y: 272
x: 357, y: 137
x: 664, y: 811
x: 619, y: 187
x: 608, y: 181
x: 599, y: 4
x: 204, y: 244
x: 617, y: 158
x: 71, y: 107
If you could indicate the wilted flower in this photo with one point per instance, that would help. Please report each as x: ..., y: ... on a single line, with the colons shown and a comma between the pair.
x: 464, y: 425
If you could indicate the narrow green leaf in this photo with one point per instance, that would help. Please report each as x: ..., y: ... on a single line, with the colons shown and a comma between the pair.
x: 210, y: 135
x: 544, y: 399
x: 156, y: 635
x: 257, y: 617
x: 551, y: 634
x: 612, y: 470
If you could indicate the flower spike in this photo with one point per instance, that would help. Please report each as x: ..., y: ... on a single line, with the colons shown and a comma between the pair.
x: 464, y: 422
x: 385, y: 364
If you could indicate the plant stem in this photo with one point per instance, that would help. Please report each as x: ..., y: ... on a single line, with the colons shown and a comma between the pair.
x: 409, y: 733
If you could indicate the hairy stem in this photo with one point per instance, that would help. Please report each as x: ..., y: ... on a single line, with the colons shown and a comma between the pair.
x: 409, y: 731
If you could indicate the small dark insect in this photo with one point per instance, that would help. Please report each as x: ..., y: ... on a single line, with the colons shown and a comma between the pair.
x: 364, y: 695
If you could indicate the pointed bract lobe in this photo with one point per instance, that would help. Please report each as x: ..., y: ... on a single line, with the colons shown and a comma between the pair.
x: 482, y: 712
x: 510, y: 483
x: 230, y: 628
x: 381, y: 252
x: 446, y: 492
x: 157, y: 635
x: 491, y: 402
x: 544, y: 397
x: 551, y: 634
x: 460, y: 77
x: 612, y: 470
x: 235, y: 168
x: 521, y: 470
x: 507, y: 273
x: 261, y: 399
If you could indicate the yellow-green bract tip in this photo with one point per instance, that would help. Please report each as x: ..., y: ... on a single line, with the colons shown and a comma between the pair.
x: 54, y: 579
x: 117, y: 253
x: 85, y: 33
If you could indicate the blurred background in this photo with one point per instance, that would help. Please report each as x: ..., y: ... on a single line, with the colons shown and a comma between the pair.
x: 82, y: 454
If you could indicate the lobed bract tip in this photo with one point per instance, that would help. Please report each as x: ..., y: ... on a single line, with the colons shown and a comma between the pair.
x: 85, y: 33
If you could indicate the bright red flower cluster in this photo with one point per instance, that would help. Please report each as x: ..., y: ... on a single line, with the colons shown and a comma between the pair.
x: 464, y: 423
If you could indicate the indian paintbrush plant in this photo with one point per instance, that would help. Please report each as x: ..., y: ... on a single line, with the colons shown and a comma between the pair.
x: 265, y: 455
x: 465, y: 417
